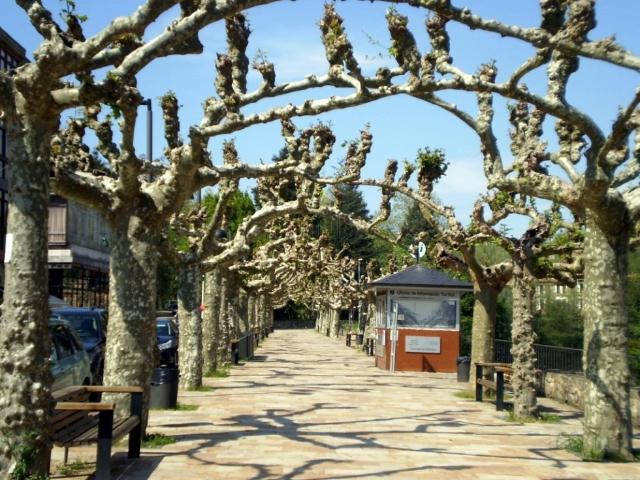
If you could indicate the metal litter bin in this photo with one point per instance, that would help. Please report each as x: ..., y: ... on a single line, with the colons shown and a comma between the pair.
x: 164, y: 388
x: 359, y: 338
x: 464, y: 367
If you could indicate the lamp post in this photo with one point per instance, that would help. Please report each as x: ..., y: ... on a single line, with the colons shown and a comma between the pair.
x: 359, y: 301
x: 147, y: 102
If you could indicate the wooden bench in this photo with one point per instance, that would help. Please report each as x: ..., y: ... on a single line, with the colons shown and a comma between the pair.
x: 498, y: 385
x: 78, y: 421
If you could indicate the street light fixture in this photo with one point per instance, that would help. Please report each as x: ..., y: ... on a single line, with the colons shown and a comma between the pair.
x: 359, y: 301
x: 147, y: 102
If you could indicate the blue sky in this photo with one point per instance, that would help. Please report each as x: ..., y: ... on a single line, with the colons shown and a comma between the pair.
x: 288, y: 33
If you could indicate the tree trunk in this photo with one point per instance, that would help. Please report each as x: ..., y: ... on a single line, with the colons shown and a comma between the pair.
x: 335, y: 323
x: 607, y: 421
x: 243, y: 317
x: 211, y: 324
x: 25, y: 343
x: 223, y: 354
x: 251, y: 310
x: 190, y: 350
x: 132, y: 350
x: 484, y: 327
x: 525, y: 401
x: 233, y: 309
x: 262, y: 311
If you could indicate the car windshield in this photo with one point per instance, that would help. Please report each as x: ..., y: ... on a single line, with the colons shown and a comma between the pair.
x: 84, y: 325
x: 162, y: 329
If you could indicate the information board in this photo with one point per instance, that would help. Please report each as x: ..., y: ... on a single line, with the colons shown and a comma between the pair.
x: 422, y: 344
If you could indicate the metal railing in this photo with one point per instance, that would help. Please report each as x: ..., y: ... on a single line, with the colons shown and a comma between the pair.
x: 293, y: 324
x: 549, y: 358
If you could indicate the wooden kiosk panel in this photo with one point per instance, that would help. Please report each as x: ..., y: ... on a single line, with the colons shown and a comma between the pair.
x: 414, y: 361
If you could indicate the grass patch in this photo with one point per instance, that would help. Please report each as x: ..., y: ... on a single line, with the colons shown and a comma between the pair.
x: 542, y: 418
x: 465, y: 394
x: 549, y: 418
x: 157, y: 440
x: 180, y: 407
x: 201, y: 388
x: 73, y: 468
x: 575, y: 443
x: 221, y: 373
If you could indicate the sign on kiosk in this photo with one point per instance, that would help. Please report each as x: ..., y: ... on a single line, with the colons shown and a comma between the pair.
x: 422, y: 344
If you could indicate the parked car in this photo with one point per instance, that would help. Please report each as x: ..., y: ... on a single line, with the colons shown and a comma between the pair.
x: 70, y: 363
x: 168, y: 340
x: 90, y: 325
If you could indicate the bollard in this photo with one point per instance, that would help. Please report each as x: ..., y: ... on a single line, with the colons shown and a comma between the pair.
x: 235, y: 356
x: 327, y: 332
x: 348, y: 339
x: 372, y: 347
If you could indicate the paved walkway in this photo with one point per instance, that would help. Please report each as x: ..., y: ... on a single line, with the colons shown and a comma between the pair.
x: 308, y: 407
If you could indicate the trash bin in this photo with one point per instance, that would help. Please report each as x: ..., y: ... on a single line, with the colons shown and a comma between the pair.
x: 164, y: 388
x: 359, y: 338
x: 464, y: 367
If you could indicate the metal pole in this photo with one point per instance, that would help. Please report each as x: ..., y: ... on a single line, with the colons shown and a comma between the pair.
x: 147, y: 102
x: 394, y: 338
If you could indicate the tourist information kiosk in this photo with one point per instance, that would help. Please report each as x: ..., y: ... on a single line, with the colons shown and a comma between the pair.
x: 418, y: 320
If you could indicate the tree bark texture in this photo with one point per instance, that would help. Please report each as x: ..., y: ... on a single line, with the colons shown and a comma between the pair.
x: 525, y: 400
x: 223, y: 354
x: 251, y: 310
x: 243, y: 317
x: 335, y: 322
x: 369, y: 314
x: 233, y: 312
x: 484, y: 326
x: 25, y: 343
x: 211, y: 323
x: 190, y: 350
x: 607, y: 421
x: 132, y: 350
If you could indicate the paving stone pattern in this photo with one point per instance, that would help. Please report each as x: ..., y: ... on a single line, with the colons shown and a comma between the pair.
x: 308, y: 407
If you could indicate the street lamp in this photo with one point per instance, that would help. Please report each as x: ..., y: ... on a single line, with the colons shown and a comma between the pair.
x: 359, y: 301
x: 147, y: 102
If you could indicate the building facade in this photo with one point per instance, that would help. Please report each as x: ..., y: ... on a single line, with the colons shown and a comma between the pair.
x: 12, y: 55
x: 78, y: 236
x: 78, y: 254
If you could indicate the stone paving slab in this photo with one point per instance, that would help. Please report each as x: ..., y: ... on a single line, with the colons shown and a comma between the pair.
x: 308, y: 407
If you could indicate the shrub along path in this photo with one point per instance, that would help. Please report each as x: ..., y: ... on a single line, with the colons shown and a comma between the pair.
x: 308, y: 407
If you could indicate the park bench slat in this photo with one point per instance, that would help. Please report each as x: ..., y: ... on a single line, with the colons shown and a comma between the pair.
x: 78, y: 421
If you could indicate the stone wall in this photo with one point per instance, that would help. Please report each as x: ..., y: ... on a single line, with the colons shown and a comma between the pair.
x: 568, y: 388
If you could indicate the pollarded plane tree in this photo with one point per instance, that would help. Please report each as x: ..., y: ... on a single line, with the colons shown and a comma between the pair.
x: 70, y: 70
x: 598, y: 164
x: 136, y: 211
x: 310, y: 149
x: 598, y: 167
x: 455, y: 246
x: 549, y: 250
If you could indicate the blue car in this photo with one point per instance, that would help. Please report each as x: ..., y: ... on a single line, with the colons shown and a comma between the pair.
x: 69, y: 359
x: 168, y: 337
x: 91, y: 326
